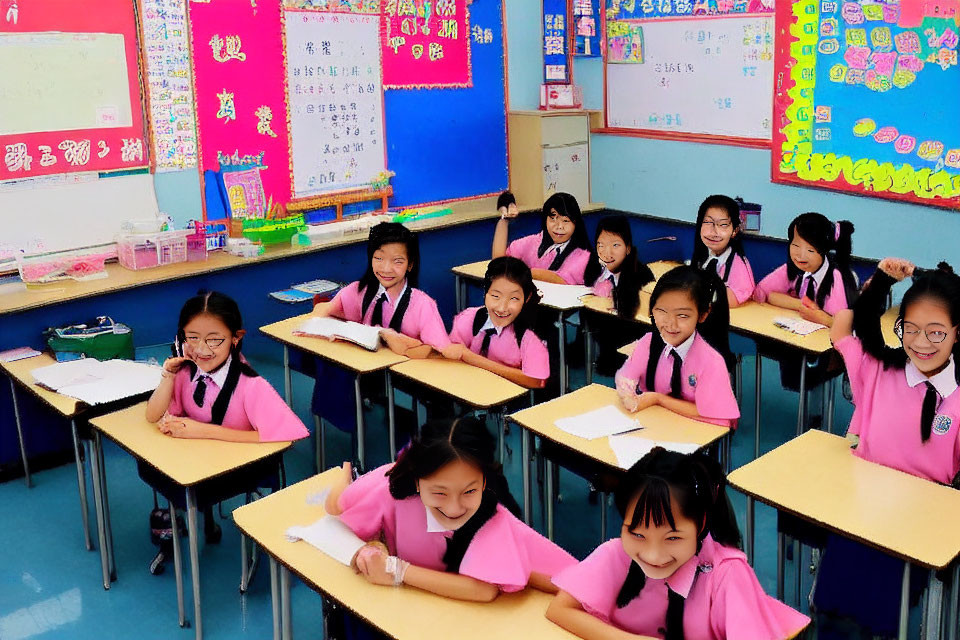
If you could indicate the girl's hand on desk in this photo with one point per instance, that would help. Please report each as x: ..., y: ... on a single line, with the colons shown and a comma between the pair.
x: 453, y: 351
x: 178, y: 427
x: 626, y: 391
x: 372, y: 564
x: 810, y: 312
x: 646, y: 400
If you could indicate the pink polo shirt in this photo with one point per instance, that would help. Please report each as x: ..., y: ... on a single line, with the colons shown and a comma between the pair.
x: 530, y: 356
x: 887, y: 418
x: 571, y: 270
x: 254, y: 405
x: 778, y: 282
x: 740, y: 279
x: 705, y: 380
x: 421, y: 321
x: 724, y: 600
x: 603, y: 287
x: 503, y: 552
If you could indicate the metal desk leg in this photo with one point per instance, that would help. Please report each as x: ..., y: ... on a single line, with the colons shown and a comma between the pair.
x: 749, y: 538
x: 587, y: 348
x: 287, y: 377
x: 391, y: 415
x: 178, y: 566
x: 23, y: 448
x: 286, y: 628
x: 904, y: 627
x: 192, y: 535
x: 361, y: 443
x: 502, y: 431
x: 954, y: 603
x: 98, y: 503
x: 831, y: 404
x: 738, y: 378
x: 82, y: 485
x: 105, y: 496
x: 548, y: 474
x: 603, y: 517
x: 525, y: 452
x: 318, y: 434
x: 933, y: 609
x: 562, y: 326
x: 457, y: 293
x: 798, y: 562
x: 781, y: 547
x: 275, y: 596
x: 802, y: 406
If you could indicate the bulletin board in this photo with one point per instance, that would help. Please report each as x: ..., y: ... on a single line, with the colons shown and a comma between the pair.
x: 867, y: 97
x: 51, y: 56
x: 690, y: 69
x: 443, y: 141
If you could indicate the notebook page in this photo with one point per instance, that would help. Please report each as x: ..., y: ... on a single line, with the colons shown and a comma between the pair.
x: 331, y: 536
x: 605, y: 421
x: 630, y: 448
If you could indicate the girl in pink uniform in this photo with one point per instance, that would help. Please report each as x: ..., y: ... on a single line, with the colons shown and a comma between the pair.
x: 677, y: 570
x: 440, y: 511
x: 906, y: 416
x: 719, y: 247
x: 674, y: 366
x: 560, y: 252
x: 386, y: 295
x: 499, y: 336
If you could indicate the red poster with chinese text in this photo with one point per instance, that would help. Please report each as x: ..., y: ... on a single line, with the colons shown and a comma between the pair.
x: 426, y: 44
x: 70, y: 95
x: 240, y: 93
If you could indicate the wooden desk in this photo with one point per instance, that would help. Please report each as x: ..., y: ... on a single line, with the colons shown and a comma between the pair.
x: 186, y: 462
x: 816, y: 477
x: 470, y: 385
x: 658, y: 423
x: 398, y: 612
x: 345, y: 355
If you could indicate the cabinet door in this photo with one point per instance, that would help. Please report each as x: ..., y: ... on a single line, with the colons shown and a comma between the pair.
x: 567, y: 169
x: 565, y: 129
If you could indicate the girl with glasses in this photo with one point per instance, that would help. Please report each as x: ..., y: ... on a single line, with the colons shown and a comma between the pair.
x: 719, y: 246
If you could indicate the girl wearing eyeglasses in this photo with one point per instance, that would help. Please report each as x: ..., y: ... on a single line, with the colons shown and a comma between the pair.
x: 718, y: 246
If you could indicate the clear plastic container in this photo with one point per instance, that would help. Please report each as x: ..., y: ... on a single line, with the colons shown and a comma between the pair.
x: 197, y: 243
x: 76, y: 264
x: 144, y: 251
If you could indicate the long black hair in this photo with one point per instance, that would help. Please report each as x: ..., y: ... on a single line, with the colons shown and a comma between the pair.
x: 709, y: 295
x: 444, y: 441
x: 834, y: 242
x: 700, y: 251
x: 565, y: 205
x: 225, y: 309
x: 517, y: 272
x: 634, y: 273
x: 698, y: 485
x: 388, y: 233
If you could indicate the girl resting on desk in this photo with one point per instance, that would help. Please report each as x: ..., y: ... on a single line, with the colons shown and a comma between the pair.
x: 719, y: 247
x: 675, y: 366
x: 386, y: 295
x: 499, y: 336
x: 906, y: 416
x: 441, y: 511
x: 560, y: 252
x: 677, y: 570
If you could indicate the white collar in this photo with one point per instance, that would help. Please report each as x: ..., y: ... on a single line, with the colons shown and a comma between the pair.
x: 382, y: 290
x: 820, y: 273
x: 607, y: 273
x: 433, y: 525
x: 559, y: 247
x: 684, y: 348
x: 721, y: 259
x: 944, y: 382
x: 489, y: 325
x: 219, y: 377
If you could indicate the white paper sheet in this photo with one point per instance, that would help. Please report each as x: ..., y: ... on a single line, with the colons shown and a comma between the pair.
x: 562, y: 296
x: 605, y: 421
x: 630, y: 448
x: 95, y: 382
x: 331, y: 536
x: 361, y: 334
x: 798, y: 326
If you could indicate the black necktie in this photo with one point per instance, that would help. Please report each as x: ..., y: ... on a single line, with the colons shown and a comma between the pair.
x: 377, y: 318
x: 929, y: 409
x: 613, y: 286
x: 200, y: 391
x: 711, y: 266
x: 811, y: 291
x: 487, y: 335
x: 676, y: 390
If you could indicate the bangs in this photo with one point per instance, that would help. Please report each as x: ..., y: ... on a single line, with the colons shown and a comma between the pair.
x: 653, y: 506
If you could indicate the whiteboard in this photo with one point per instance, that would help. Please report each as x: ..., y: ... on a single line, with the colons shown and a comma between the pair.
x: 335, y: 100
x: 71, y: 211
x: 63, y: 82
x: 697, y: 76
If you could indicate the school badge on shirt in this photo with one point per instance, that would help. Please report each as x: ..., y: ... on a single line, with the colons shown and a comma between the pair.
x: 941, y: 424
x: 692, y: 380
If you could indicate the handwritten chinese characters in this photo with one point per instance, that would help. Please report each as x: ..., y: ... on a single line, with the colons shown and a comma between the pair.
x: 426, y: 43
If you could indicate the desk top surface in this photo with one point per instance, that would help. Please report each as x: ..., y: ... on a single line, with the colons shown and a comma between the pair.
x: 20, y: 370
x: 187, y: 462
x: 399, y: 612
x: 817, y: 478
x: 471, y: 385
x: 345, y: 354
x: 659, y: 423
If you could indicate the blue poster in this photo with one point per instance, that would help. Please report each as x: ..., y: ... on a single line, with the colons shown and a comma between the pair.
x: 556, y: 39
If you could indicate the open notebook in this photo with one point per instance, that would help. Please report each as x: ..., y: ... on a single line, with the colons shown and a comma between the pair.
x: 95, y: 382
x: 798, y: 326
x: 331, y: 536
x: 364, y: 335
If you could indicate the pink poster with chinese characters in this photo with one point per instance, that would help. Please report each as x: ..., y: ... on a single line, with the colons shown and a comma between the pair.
x: 240, y: 91
x: 426, y: 44
x: 60, y: 58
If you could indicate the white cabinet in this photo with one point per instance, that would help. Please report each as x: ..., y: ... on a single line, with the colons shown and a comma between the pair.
x: 549, y: 152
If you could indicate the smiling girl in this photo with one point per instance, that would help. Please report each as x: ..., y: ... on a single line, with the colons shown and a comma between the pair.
x: 719, y: 246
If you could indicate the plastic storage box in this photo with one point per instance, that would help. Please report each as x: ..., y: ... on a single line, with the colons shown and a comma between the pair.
x: 143, y: 251
x: 75, y: 264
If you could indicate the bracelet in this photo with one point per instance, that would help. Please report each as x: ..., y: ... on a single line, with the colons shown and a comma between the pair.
x: 398, y: 568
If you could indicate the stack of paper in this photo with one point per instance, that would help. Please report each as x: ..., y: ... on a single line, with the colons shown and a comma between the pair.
x: 630, y: 448
x: 562, y: 296
x: 798, y: 326
x: 605, y: 421
x: 364, y: 335
x: 96, y: 382
x: 20, y: 353
x: 331, y: 536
